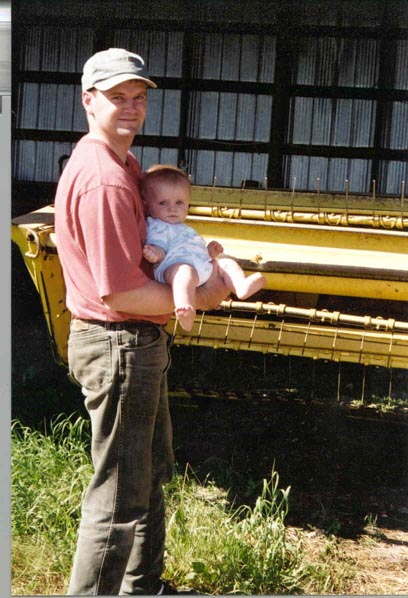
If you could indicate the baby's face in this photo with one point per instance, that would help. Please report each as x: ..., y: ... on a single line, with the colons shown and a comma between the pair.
x: 169, y: 202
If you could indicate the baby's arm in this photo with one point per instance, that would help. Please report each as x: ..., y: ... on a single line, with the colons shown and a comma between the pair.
x: 214, y: 248
x: 153, y: 254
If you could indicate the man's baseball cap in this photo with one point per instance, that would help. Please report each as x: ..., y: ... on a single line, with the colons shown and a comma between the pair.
x: 110, y: 67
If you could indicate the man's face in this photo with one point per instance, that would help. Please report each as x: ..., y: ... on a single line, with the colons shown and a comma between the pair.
x: 118, y: 112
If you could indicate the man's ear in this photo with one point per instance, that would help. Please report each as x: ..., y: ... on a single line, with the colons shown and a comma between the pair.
x: 87, y: 97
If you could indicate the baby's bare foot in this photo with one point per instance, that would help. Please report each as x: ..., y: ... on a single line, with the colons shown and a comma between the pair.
x: 251, y: 285
x: 185, y: 314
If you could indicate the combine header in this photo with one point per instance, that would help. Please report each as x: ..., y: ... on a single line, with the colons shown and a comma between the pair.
x: 336, y: 268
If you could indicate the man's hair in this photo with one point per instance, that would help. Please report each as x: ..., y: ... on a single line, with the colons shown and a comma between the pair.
x: 162, y: 173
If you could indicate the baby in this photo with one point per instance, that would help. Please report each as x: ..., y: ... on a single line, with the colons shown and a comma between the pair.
x: 180, y: 256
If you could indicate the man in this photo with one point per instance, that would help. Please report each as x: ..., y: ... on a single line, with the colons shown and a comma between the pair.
x: 118, y: 349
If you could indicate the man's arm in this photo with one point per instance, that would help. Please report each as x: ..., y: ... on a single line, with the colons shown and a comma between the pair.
x: 155, y: 298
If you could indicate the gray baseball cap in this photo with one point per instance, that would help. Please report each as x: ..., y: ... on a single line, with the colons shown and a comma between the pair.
x: 110, y: 67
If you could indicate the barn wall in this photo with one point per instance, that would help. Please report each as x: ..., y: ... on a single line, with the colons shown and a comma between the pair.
x: 286, y: 93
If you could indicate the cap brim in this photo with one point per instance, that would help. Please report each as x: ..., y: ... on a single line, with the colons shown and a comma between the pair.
x: 112, y: 81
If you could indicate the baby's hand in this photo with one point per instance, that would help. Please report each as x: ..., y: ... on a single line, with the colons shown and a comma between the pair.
x: 214, y: 248
x: 153, y: 253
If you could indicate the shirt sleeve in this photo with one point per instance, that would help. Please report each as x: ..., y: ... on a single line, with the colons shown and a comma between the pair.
x: 158, y: 233
x: 111, y: 225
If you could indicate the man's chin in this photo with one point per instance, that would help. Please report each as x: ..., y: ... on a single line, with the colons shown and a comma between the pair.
x: 127, y: 131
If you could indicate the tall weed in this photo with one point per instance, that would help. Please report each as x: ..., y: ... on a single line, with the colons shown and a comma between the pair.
x: 212, y: 547
x: 49, y: 474
x: 224, y: 550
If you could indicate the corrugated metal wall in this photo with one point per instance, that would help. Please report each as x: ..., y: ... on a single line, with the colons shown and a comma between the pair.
x: 339, y: 112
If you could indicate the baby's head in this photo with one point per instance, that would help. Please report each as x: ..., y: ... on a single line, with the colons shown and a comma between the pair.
x: 166, y: 192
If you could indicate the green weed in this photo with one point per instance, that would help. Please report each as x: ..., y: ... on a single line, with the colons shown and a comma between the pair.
x: 212, y: 546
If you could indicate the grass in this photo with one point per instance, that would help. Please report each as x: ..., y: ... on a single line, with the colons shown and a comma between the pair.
x: 213, y: 546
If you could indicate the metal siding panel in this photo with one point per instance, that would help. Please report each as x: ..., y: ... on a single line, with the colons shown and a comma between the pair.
x: 71, y: 47
x: 321, y: 121
x: 397, y: 120
x: 359, y: 172
x: 47, y: 106
x: 342, y: 122
x: 79, y: 122
x: 163, y: 113
x: 85, y: 47
x: 267, y: 63
x: 302, y: 120
x: 30, y: 57
x: 246, y: 114
x: 224, y: 163
x: 153, y: 122
x: 149, y: 156
x: 230, y: 67
x: 161, y: 51
x: 302, y: 172
x: 249, y: 58
x: 203, y: 167
x: 401, y: 66
x: 157, y: 53
x: 168, y: 156
x: 207, y: 118
x: 233, y: 57
x: 399, y: 126
x: 227, y: 115
x: 263, y: 118
x: 328, y: 61
x: 64, y: 115
x: 259, y: 168
x: 59, y: 149
x: 212, y: 47
x: 50, y: 107
x: 337, y: 174
x: 65, y: 41
x: 317, y: 179
x: 354, y: 123
x: 28, y: 105
x: 171, y: 113
x: 241, y: 169
x: 367, y: 62
x: 362, y: 123
x: 174, y: 55
x: 297, y: 175
x: 392, y: 173
x: 134, y: 41
x: 24, y: 164
x: 228, y: 168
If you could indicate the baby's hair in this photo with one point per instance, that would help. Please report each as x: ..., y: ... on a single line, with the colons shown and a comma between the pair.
x: 162, y: 173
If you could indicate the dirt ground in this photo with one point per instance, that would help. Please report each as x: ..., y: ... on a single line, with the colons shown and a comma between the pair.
x: 347, y: 467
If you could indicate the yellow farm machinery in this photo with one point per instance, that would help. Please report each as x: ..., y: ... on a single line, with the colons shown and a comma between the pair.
x: 336, y: 269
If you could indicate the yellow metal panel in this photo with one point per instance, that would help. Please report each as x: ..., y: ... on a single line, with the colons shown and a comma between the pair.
x: 307, y: 259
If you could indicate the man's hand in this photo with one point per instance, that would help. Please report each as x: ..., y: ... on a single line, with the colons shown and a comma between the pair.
x: 153, y: 254
x: 210, y: 294
x: 214, y: 248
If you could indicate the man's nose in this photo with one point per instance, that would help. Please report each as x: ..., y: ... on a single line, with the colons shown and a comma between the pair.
x: 131, y: 106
